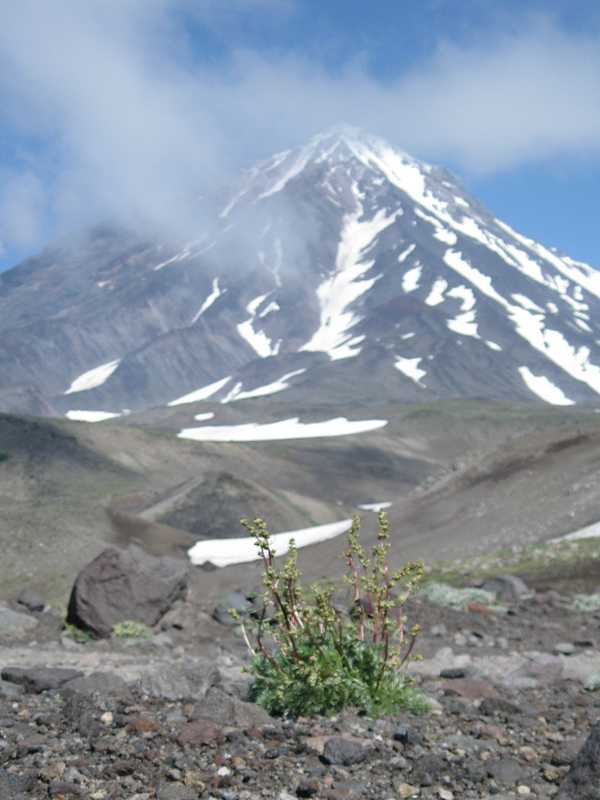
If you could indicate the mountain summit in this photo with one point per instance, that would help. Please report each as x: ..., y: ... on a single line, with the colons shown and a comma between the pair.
x: 343, y: 268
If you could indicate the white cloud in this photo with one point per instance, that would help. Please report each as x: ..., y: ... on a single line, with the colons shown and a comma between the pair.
x: 22, y: 209
x: 138, y: 126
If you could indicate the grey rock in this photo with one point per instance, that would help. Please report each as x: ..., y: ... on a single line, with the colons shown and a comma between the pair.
x: 81, y: 712
x: 453, y: 673
x: 232, y: 600
x: 405, y: 735
x: 174, y: 682
x: 63, y: 789
x: 39, y: 679
x: 490, y: 706
x: 14, y: 624
x: 10, y: 690
x: 506, y: 771
x: 14, y: 787
x: 102, y: 683
x: 175, y: 791
x: 343, y: 752
x: 428, y: 770
x: 223, y: 709
x: 564, y: 648
x: 123, y: 585
x: 31, y: 600
x: 583, y: 779
x: 592, y: 682
x: 507, y: 588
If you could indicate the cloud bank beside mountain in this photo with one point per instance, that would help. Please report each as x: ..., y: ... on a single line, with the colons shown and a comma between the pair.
x: 124, y: 116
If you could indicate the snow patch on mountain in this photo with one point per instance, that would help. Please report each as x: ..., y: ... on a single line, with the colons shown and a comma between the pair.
x: 214, y: 295
x: 284, y: 429
x: 410, y: 281
x: 405, y: 253
x: 410, y: 368
x: 79, y: 415
x: 271, y: 388
x: 436, y: 295
x: 225, y: 552
x: 93, y: 377
x: 201, y: 394
x: 544, y: 388
x: 257, y: 339
x: 376, y: 507
x: 464, y: 324
x: 338, y: 292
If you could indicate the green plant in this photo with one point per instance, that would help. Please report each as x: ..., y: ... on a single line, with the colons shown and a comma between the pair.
x: 311, y: 657
x: 586, y: 603
x: 3, y: 456
x: 130, y: 629
x: 77, y: 634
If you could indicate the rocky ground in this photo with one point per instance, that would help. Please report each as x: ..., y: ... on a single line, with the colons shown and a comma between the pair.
x: 511, y: 681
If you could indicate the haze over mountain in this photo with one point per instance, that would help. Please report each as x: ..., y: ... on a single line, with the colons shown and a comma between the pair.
x: 341, y: 269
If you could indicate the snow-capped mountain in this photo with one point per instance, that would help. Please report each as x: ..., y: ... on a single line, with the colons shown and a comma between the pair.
x: 344, y: 269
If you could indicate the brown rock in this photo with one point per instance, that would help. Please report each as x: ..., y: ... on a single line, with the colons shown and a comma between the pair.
x: 469, y: 688
x: 143, y: 725
x: 200, y: 732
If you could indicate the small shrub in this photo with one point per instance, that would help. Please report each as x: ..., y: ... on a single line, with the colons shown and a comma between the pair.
x: 130, y: 629
x: 3, y: 456
x: 77, y: 634
x: 586, y: 603
x: 309, y: 657
x: 452, y: 597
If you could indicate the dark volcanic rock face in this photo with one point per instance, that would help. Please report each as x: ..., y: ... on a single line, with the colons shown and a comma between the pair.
x: 340, y: 259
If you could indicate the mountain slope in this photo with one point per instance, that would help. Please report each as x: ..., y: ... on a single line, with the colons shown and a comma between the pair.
x: 340, y: 260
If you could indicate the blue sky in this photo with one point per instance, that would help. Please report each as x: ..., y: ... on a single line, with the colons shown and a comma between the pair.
x: 132, y: 108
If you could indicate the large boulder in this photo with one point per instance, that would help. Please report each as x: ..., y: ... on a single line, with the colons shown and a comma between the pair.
x: 583, y: 779
x: 122, y: 585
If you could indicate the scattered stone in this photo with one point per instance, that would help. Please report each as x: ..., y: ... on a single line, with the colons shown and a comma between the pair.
x: 492, y: 706
x: 123, y: 585
x: 469, y: 688
x: 40, y: 679
x: 507, y: 771
x: 339, y: 750
x: 31, y: 600
x: 232, y: 600
x: 14, y: 787
x: 199, y: 732
x: 103, y: 683
x: 592, y: 682
x: 453, y: 673
x: 226, y: 710
x: 175, y: 791
x: 507, y: 588
x: 406, y: 790
x: 10, y: 691
x: 308, y: 788
x: 63, y: 790
x: 583, y: 779
x: 14, y: 624
x: 428, y: 770
x: 403, y: 734
x: 564, y: 648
